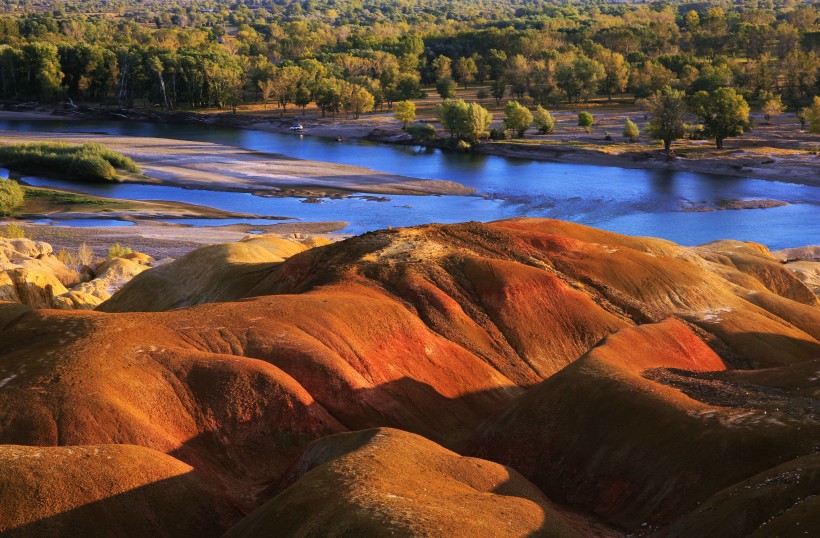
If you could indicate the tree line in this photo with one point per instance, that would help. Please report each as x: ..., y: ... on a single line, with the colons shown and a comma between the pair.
x: 366, y: 54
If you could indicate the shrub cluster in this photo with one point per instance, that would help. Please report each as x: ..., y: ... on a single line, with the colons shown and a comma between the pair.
x: 89, y: 161
x: 11, y: 196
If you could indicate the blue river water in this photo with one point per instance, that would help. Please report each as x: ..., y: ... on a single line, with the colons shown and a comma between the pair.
x: 637, y: 202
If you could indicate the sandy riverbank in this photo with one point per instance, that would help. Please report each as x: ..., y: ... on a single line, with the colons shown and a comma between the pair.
x: 205, y: 165
x: 776, y: 151
x: 161, y: 240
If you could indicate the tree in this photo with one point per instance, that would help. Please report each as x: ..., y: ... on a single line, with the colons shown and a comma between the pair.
x: 11, y: 196
x: 517, y: 75
x: 155, y: 65
x: 498, y: 90
x: 586, y: 121
x: 451, y: 114
x: 267, y: 87
x: 286, y: 80
x: 465, y: 121
x: 303, y: 96
x: 643, y: 106
x: 442, y: 67
x: 405, y: 112
x: 517, y: 118
x: 813, y: 116
x: 631, y: 131
x: 803, y: 116
x: 356, y: 100
x: 543, y: 120
x: 666, y: 109
x: 724, y: 113
x: 616, y: 72
x: 328, y: 95
x: 42, y: 70
x: 446, y: 88
x: 772, y: 107
x: 466, y: 70
x: 476, y: 122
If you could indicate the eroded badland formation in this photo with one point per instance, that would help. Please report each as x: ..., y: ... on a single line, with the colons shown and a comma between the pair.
x: 518, y: 378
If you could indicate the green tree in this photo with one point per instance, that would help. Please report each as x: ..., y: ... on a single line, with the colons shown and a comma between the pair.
x: 442, y: 67
x: 543, y: 120
x: 446, y: 87
x: 772, y: 108
x: 465, y: 121
x: 42, y: 70
x: 666, y: 109
x: 724, y: 113
x: 517, y: 118
x: 616, y: 72
x: 11, y: 196
x: 586, y: 121
x: 328, y: 95
x: 476, y: 122
x: 631, y: 130
x: 451, y: 114
x: 803, y: 116
x: 267, y: 87
x: 813, y: 115
x: 405, y: 112
x: 356, y: 100
x: 465, y: 70
x: 303, y: 96
x: 498, y: 89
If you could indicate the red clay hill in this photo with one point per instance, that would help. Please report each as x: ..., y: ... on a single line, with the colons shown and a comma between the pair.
x: 518, y: 378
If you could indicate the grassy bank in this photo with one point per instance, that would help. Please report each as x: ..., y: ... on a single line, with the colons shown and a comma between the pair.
x: 86, y: 162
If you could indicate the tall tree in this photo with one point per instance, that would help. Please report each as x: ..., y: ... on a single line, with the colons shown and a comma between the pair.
x: 465, y: 70
x: 517, y: 118
x: 666, y: 109
x: 724, y: 113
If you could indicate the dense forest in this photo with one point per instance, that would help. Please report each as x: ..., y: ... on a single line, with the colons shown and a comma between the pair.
x: 354, y: 55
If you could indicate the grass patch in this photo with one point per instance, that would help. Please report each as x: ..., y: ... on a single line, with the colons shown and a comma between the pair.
x: 118, y: 251
x: 87, y: 162
x: 61, y: 197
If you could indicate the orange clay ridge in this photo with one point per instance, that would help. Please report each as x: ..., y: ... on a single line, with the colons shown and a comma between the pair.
x: 518, y: 378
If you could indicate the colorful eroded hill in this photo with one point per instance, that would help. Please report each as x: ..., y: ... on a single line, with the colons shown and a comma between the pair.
x: 517, y: 378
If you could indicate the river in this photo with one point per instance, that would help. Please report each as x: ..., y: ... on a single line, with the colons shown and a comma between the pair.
x: 631, y: 201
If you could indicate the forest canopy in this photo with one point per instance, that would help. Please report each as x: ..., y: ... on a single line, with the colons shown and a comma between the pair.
x: 204, y: 53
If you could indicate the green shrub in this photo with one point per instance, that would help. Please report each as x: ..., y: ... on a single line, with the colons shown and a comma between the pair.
x: 422, y: 133
x: 586, y: 121
x: 90, y: 161
x: 11, y: 196
x: 631, y: 130
x: 14, y: 231
x: 543, y: 120
x: 499, y: 134
x: 118, y: 251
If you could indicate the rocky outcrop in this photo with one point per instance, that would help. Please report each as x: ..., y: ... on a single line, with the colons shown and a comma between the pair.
x: 110, y: 276
x: 36, y: 289
x: 76, y: 300
x: 209, y: 274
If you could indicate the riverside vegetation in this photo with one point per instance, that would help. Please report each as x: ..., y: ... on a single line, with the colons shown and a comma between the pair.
x: 87, y: 162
